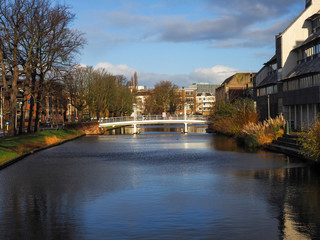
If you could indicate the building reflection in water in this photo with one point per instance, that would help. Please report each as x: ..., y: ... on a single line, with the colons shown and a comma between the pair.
x: 294, y: 197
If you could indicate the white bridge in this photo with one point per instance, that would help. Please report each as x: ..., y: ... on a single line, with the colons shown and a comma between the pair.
x: 153, y: 119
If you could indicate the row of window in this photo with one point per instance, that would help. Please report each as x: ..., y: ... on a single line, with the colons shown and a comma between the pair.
x: 191, y: 99
x: 189, y: 92
x: 305, y: 82
x: 267, y: 90
x: 206, y: 99
x: 311, y: 51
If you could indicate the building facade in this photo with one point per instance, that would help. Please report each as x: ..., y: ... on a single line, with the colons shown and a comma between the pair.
x: 290, y: 82
x: 205, y: 103
x: 189, y: 96
x: 238, y: 85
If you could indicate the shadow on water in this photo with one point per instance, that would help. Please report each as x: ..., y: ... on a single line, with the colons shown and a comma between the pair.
x: 229, y: 144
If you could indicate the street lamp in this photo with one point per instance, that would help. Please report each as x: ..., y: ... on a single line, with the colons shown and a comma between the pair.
x: 185, y: 110
x: 268, y: 107
x: 135, y: 111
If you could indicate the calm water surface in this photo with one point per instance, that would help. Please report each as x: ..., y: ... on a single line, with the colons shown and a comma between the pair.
x: 158, y: 186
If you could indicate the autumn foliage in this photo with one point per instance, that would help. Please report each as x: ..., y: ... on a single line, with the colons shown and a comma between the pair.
x: 310, y: 142
x: 230, y: 118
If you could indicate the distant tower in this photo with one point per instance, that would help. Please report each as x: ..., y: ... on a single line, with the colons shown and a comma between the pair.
x: 308, y: 3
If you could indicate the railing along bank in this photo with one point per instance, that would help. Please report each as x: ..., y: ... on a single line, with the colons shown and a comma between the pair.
x: 154, y: 117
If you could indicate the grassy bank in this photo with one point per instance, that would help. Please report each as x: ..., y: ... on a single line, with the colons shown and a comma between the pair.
x: 13, y: 147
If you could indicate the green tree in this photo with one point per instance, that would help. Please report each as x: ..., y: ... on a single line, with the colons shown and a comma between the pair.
x: 165, y: 97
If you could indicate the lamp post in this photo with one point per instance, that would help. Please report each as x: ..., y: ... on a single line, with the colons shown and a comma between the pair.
x: 135, y: 118
x: 135, y: 111
x: 269, y: 107
x: 185, y: 118
x: 1, y: 115
x: 185, y: 110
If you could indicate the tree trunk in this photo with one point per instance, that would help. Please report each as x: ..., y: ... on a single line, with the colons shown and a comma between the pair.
x: 38, y: 112
x: 79, y: 116
x: 12, y: 114
x: 57, y: 113
x: 39, y: 103
x: 31, y: 110
x: 13, y: 102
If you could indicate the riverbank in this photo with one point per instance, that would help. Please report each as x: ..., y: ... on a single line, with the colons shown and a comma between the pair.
x: 15, y: 148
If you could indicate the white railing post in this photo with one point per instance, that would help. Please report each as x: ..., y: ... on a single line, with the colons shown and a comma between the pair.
x: 135, y: 111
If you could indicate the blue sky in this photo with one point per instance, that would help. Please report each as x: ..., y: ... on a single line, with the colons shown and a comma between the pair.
x: 183, y: 41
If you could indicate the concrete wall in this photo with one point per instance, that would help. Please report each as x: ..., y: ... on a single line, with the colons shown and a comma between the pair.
x: 261, y: 75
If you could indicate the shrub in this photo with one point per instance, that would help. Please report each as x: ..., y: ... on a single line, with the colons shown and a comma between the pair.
x: 259, y: 134
x: 230, y: 118
x: 310, y: 143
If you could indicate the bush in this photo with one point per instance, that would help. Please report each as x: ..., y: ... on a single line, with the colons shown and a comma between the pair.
x: 310, y: 143
x: 259, y: 134
x: 230, y: 118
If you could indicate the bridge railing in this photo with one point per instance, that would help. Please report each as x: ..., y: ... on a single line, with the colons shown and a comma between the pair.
x: 153, y: 117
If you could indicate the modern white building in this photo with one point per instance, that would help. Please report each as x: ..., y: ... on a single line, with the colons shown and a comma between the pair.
x: 290, y: 82
x: 205, y: 103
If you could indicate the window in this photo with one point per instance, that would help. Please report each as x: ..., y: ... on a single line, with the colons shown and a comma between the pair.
x: 275, y: 88
x: 292, y: 85
x: 270, y: 90
x: 315, y: 25
x: 305, y: 82
x: 316, y: 80
x: 310, y: 51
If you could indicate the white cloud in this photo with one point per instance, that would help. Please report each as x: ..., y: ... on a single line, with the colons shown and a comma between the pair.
x: 216, y: 74
x: 121, y: 69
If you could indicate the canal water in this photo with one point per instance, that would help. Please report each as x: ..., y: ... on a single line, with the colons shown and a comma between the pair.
x: 158, y: 185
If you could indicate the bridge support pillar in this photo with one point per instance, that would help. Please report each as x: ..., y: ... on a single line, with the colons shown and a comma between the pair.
x: 186, y: 128
x: 134, y: 128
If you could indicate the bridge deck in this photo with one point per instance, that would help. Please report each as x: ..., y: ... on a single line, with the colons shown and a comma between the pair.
x: 145, y: 120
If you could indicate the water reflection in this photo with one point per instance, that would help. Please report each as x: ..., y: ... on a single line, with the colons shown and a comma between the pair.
x: 165, y: 186
x: 158, y: 129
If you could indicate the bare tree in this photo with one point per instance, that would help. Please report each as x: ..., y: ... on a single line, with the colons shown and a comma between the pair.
x: 77, y: 82
x: 56, y: 48
x: 35, y: 39
x: 12, y: 29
